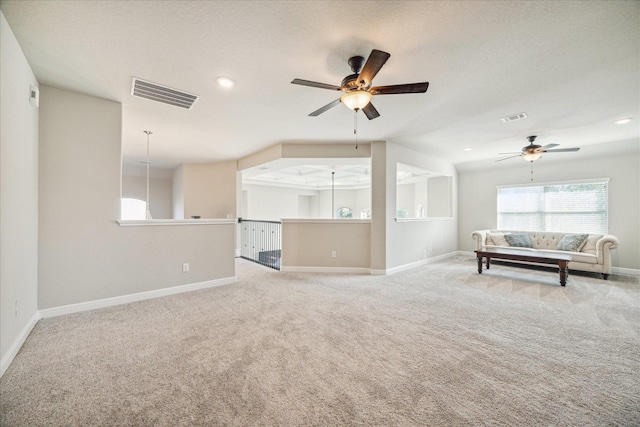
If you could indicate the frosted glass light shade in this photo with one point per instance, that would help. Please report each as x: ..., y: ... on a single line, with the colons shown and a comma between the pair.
x: 356, y: 100
x: 530, y: 157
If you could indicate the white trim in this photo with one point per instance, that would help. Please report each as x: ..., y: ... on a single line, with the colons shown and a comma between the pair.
x: 238, y: 253
x: 125, y: 299
x: 148, y: 222
x: 543, y: 184
x: 16, y: 345
x: 626, y: 271
x: 327, y: 221
x: 343, y: 270
x: 433, y: 218
x: 419, y: 263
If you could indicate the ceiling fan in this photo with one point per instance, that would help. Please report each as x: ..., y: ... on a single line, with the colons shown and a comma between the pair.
x: 533, y: 152
x: 357, y: 86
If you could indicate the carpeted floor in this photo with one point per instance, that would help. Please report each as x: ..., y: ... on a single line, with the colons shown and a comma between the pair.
x: 438, y: 345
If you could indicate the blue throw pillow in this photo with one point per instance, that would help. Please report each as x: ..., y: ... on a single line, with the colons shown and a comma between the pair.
x: 519, y: 240
x: 572, y: 242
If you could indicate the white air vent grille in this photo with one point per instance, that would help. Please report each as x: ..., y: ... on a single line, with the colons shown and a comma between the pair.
x: 513, y: 117
x: 166, y: 95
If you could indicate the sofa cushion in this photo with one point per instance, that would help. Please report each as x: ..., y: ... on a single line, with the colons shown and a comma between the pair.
x: 590, y: 244
x: 519, y: 240
x: 572, y: 242
x: 496, y: 239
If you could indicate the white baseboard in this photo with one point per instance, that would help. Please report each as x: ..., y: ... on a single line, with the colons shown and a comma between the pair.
x: 238, y: 253
x: 625, y: 271
x: 17, y: 343
x: 415, y: 264
x: 343, y: 270
x: 125, y: 299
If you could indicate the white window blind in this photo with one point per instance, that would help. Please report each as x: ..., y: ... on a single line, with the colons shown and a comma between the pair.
x: 576, y: 207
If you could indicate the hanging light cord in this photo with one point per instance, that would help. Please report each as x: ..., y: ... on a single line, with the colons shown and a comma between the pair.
x: 148, y: 215
x: 355, y: 125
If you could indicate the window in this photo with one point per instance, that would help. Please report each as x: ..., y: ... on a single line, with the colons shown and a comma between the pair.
x: 344, y: 213
x: 573, y: 207
x: 133, y: 209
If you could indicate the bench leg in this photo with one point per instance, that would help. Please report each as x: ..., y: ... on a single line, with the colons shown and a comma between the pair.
x: 479, y: 264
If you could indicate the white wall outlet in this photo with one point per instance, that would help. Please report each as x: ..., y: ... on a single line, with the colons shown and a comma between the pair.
x: 17, y: 307
x: 333, y: 254
x: 185, y: 267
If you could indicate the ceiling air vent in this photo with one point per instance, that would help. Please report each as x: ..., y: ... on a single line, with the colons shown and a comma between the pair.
x: 513, y: 117
x: 166, y: 95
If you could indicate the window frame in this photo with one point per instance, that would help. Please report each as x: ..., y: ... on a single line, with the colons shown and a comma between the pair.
x: 545, y: 224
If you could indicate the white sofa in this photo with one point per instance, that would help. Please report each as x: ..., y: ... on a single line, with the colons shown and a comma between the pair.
x: 594, y: 255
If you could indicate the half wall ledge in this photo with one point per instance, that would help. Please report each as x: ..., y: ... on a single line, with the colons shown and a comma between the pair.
x: 156, y: 222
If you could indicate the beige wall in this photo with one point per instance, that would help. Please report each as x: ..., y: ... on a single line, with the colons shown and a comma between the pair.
x: 18, y: 197
x: 310, y: 244
x: 84, y: 255
x: 477, y: 197
x: 209, y: 189
x: 160, y: 193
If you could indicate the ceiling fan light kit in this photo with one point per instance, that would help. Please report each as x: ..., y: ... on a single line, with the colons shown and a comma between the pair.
x: 357, y: 86
x: 531, y: 157
x: 356, y: 100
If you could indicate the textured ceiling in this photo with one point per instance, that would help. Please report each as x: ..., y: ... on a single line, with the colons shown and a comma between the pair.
x: 573, y: 67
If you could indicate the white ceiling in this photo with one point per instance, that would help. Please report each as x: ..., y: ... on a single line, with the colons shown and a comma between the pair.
x: 573, y: 67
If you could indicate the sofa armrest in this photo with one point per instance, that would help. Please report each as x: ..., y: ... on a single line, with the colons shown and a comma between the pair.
x: 480, y: 236
x: 603, y: 251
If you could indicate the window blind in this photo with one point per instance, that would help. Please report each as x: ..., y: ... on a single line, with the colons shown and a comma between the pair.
x: 577, y: 207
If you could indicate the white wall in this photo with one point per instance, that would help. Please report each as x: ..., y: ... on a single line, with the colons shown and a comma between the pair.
x: 477, y: 195
x: 274, y: 203
x: 177, y: 192
x: 84, y: 255
x: 408, y: 243
x: 18, y: 197
x: 357, y: 200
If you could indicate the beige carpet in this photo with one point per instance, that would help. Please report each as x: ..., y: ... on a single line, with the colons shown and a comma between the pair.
x: 438, y: 345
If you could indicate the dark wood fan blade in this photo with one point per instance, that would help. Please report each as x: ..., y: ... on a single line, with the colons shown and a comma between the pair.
x: 375, y: 61
x: 398, y: 89
x: 510, y: 157
x: 325, y: 108
x: 315, y: 84
x: 545, y: 147
x: 561, y: 150
x: 370, y: 111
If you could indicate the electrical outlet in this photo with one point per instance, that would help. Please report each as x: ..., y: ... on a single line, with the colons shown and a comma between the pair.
x: 17, y: 307
x: 185, y: 267
x: 333, y: 254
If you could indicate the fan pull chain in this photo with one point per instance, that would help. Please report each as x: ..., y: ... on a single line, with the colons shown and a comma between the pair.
x: 531, y: 171
x: 355, y: 126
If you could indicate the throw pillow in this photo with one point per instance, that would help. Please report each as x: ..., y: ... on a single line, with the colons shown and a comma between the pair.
x: 572, y: 242
x: 519, y: 240
x: 497, y: 239
x: 590, y: 244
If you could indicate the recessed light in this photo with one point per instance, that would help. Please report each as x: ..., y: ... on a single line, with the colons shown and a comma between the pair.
x: 468, y: 148
x: 623, y: 121
x: 225, y: 82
